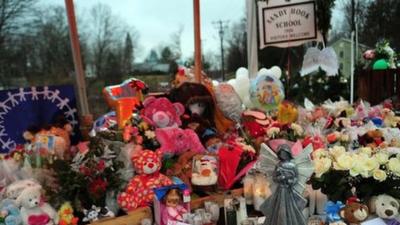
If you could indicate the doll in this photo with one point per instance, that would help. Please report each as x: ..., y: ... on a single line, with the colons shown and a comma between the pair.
x: 173, y: 210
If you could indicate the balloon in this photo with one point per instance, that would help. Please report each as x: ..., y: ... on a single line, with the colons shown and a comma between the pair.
x: 242, y: 85
x: 380, y: 64
x: 124, y: 98
x: 215, y: 83
x: 266, y: 90
x: 263, y: 71
x: 242, y: 72
x: 276, y: 71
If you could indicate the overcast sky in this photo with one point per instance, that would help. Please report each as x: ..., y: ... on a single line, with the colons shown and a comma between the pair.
x: 156, y: 20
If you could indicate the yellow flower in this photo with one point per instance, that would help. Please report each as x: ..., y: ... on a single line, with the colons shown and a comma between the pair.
x: 344, y: 162
x: 143, y: 125
x: 381, y: 157
x: 321, y: 166
x: 394, y: 166
x: 337, y: 151
x: 149, y: 134
x: 379, y: 175
x: 344, y: 138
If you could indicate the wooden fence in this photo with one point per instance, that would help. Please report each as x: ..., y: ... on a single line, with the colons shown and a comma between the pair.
x: 375, y: 86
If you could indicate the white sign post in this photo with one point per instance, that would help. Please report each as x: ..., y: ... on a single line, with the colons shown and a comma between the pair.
x: 287, y: 25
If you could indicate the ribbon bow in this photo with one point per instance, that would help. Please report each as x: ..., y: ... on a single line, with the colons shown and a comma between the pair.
x: 332, y: 211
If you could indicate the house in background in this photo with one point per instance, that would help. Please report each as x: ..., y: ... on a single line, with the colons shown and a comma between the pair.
x: 342, y: 48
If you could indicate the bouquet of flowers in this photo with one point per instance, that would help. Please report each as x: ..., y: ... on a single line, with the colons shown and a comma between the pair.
x: 93, y: 172
x: 368, y: 171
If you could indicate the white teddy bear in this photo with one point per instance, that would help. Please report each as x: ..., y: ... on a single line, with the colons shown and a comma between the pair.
x: 33, y: 210
x: 385, y: 206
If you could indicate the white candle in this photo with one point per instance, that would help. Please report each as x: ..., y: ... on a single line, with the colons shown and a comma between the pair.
x: 248, y: 185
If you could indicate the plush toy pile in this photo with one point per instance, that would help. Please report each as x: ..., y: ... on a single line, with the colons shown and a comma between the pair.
x: 207, y: 137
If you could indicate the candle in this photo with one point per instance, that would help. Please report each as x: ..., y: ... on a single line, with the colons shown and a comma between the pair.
x: 261, y: 191
x: 248, y: 185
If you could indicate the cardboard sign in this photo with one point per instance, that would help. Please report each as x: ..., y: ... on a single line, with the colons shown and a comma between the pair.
x: 287, y: 24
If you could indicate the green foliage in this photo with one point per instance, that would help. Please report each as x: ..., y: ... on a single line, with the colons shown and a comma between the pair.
x: 317, y: 87
x: 334, y: 184
x: 88, y: 182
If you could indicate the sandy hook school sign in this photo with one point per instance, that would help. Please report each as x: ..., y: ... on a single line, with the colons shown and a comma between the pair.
x: 287, y: 25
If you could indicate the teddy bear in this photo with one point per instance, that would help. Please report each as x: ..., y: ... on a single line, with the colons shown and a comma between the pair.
x: 10, y: 213
x: 15, y: 189
x: 373, y: 138
x: 201, y: 110
x: 160, y: 112
x: 33, y: 210
x: 385, y: 206
x: 55, y: 139
x: 139, y: 191
x: 175, y: 141
x: 354, y: 213
x: 204, y: 170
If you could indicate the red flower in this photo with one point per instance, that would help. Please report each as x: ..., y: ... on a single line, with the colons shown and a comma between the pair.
x: 85, y: 170
x: 331, y: 138
x: 101, y: 166
x: 255, y: 130
x: 98, y: 187
x: 316, y: 141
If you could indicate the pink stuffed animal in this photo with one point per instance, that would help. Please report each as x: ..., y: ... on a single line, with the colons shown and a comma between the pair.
x: 175, y: 141
x: 160, y: 112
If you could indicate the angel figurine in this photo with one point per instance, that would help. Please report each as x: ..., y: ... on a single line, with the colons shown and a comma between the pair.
x: 289, y: 175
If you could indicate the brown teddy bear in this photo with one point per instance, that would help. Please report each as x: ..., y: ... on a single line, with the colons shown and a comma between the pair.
x: 373, y: 139
x: 354, y: 213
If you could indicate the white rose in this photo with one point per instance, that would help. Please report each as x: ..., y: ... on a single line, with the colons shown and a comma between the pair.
x: 366, y: 150
x: 371, y: 164
x: 298, y: 130
x: 320, y: 153
x: 394, y: 166
x: 344, y: 162
x: 359, y: 166
x: 379, y: 175
x: 337, y: 151
x: 381, y: 157
x: 273, y: 131
x: 321, y: 166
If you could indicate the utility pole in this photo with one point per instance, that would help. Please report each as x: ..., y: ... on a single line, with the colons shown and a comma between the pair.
x: 76, y: 55
x: 197, y: 41
x: 221, y: 26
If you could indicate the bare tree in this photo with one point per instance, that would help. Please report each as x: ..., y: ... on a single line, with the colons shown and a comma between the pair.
x: 11, y: 12
x: 237, y: 46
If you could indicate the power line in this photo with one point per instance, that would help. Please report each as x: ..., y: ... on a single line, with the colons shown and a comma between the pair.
x: 221, y: 26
